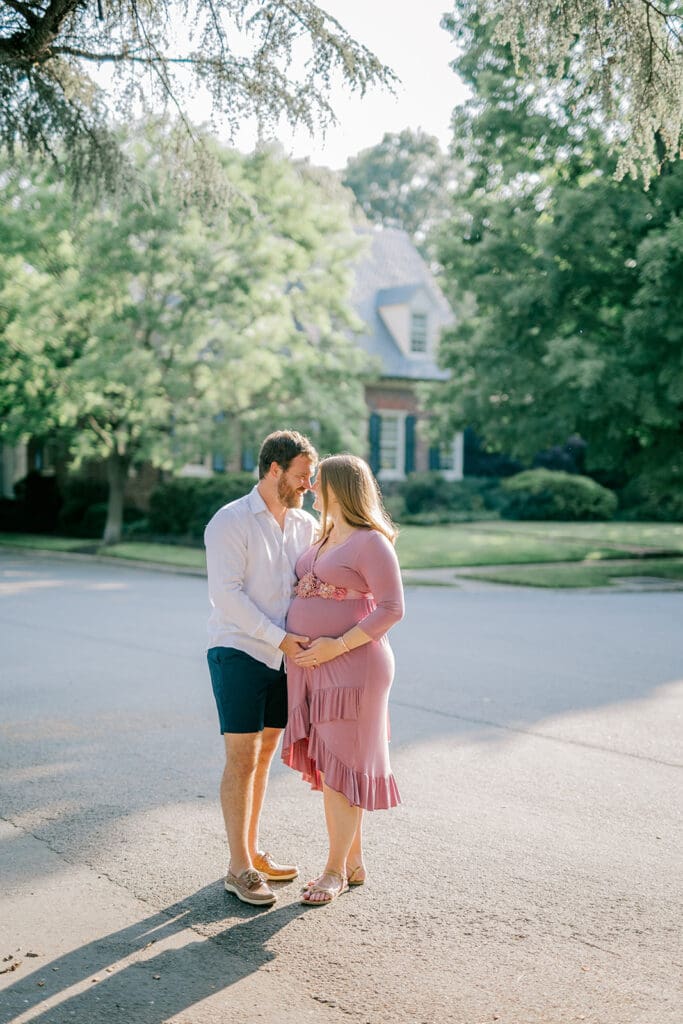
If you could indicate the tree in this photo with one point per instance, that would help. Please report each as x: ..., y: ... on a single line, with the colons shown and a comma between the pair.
x: 403, y: 182
x: 150, y: 333
x: 627, y: 66
x: 563, y: 278
x: 264, y: 59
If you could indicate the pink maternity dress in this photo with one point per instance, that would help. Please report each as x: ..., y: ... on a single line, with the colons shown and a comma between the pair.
x: 338, y: 718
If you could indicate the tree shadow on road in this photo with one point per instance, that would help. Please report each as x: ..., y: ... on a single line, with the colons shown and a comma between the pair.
x: 136, y: 983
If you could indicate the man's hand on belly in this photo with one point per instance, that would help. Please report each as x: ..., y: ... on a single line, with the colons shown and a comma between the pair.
x: 292, y: 644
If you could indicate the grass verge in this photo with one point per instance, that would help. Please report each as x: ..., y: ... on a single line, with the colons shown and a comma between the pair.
x: 456, y: 544
x: 660, y: 536
x: 164, y: 554
x: 510, y: 546
x: 45, y: 542
x: 591, y: 574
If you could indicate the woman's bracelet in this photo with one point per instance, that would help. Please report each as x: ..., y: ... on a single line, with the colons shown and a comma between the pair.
x: 345, y: 645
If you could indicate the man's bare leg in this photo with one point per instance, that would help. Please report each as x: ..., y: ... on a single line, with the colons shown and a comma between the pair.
x: 269, y: 740
x: 237, y: 794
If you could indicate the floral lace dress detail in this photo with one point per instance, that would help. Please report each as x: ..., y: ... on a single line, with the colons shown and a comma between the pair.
x: 311, y: 586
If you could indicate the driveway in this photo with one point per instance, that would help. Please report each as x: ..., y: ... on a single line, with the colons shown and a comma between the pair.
x: 531, y: 876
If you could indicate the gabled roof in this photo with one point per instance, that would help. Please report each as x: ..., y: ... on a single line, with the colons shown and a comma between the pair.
x: 397, y: 295
x: 389, y: 272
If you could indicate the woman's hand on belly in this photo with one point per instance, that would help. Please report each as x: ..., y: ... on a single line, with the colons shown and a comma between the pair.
x: 325, y: 648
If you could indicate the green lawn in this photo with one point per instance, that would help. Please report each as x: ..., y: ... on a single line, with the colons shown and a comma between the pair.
x: 593, y: 574
x: 166, y: 554
x: 590, y: 545
x: 668, y: 536
x: 46, y: 543
x: 431, y: 547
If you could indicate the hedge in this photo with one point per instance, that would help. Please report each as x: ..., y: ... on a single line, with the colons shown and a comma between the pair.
x: 183, y: 506
x: 431, y: 498
x: 549, y: 494
x: 654, y: 497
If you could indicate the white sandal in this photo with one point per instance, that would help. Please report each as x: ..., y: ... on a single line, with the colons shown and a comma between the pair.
x: 330, y: 891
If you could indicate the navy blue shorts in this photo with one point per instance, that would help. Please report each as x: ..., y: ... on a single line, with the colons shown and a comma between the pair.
x: 249, y: 695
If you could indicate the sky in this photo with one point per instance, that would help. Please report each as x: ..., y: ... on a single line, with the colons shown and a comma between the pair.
x: 406, y: 36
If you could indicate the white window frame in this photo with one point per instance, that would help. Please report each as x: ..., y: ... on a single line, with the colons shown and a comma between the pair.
x: 398, y: 472
x: 458, y: 449
x: 423, y: 315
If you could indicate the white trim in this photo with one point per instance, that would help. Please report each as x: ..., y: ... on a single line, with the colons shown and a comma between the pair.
x: 397, y: 318
x: 14, y: 466
x: 457, y: 472
x: 202, y: 469
x: 399, y: 473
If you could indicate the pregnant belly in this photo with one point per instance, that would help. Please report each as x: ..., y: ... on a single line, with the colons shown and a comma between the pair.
x: 319, y: 616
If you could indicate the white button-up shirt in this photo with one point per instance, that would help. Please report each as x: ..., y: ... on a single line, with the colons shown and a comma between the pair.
x: 250, y: 563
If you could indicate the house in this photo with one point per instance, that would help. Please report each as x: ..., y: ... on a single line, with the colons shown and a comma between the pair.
x: 404, y: 311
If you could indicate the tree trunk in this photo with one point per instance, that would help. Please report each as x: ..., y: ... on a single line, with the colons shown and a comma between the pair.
x: 117, y: 471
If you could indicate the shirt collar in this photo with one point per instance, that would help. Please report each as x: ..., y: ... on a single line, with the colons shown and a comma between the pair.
x: 257, y: 505
x: 256, y: 502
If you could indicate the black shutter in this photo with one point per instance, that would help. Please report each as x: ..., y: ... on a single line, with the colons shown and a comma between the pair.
x: 434, y: 458
x: 375, y: 437
x: 410, y: 445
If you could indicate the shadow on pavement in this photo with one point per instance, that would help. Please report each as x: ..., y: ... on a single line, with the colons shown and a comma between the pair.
x: 154, y: 986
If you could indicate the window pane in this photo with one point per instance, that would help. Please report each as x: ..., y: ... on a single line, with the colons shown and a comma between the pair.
x: 418, y: 332
x: 389, y: 443
x: 446, y: 457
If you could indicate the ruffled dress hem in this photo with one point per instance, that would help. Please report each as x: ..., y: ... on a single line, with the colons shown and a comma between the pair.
x: 305, y: 752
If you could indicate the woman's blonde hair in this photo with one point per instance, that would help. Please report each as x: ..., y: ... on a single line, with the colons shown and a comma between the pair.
x: 359, y: 497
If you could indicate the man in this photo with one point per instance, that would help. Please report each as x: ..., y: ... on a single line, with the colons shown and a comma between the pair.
x: 252, y: 546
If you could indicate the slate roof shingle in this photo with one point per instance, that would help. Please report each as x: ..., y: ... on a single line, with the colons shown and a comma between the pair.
x: 390, y: 272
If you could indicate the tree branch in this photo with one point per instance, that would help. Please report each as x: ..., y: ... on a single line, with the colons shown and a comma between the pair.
x: 667, y: 20
x: 125, y: 55
x: 27, y: 13
x: 46, y: 29
x: 101, y: 433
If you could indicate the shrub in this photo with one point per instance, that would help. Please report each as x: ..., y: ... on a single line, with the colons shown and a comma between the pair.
x: 431, y: 498
x: 425, y: 492
x: 11, y: 516
x: 656, y: 496
x: 80, y: 495
x: 84, y: 509
x: 445, y: 515
x: 39, y: 502
x: 548, y: 494
x: 395, y: 506
x: 183, y: 506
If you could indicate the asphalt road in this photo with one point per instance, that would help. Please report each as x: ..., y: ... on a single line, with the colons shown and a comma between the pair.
x: 533, y: 873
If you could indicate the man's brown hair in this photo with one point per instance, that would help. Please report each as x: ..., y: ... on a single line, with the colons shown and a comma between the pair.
x: 282, y: 446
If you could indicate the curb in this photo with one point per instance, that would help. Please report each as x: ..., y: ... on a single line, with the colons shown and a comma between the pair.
x: 453, y: 577
x: 80, y: 556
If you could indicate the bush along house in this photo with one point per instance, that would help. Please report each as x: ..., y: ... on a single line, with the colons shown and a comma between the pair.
x: 404, y: 312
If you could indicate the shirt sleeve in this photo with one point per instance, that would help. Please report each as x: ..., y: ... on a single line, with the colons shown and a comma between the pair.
x: 378, y: 564
x: 226, y: 562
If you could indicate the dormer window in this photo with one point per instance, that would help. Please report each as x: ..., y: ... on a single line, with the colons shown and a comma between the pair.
x: 418, y: 332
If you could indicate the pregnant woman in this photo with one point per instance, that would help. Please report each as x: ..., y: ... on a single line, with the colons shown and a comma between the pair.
x: 348, y: 596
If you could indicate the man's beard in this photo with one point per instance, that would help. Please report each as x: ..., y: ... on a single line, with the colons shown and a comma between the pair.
x: 290, y: 497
